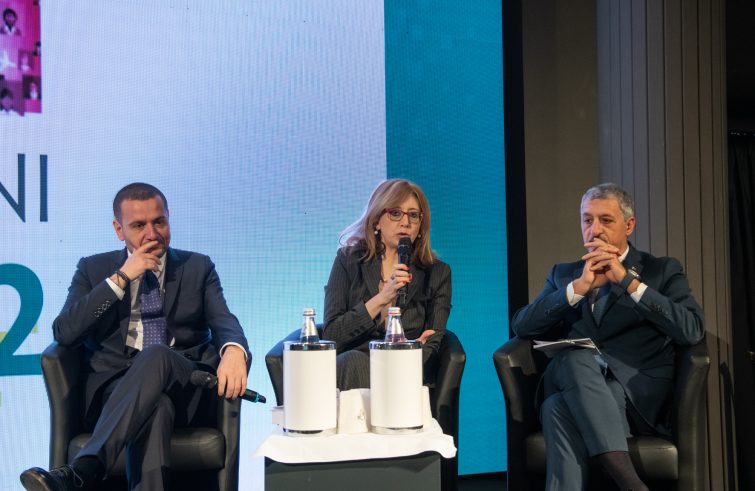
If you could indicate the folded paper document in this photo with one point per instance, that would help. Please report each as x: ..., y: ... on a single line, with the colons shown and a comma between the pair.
x: 550, y: 348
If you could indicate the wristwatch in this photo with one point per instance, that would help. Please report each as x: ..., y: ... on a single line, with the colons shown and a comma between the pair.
x: 630, y: 276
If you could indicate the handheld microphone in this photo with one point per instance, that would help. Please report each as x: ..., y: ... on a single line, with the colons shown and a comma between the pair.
x: 404, y: 257
x: 209, y: 381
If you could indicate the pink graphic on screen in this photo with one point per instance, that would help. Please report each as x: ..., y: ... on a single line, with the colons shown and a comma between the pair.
x: 20, y: 58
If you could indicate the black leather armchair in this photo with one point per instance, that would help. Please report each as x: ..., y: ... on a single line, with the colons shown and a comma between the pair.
x: 677, y: 464
x: 444, y: 392
x: 202, y: 457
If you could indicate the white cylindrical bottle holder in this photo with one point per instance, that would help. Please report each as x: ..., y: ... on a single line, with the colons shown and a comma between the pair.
x: 396, y: 387
x: 309, y: 388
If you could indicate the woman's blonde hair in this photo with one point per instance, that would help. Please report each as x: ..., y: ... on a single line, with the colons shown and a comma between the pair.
x: 391, y: 193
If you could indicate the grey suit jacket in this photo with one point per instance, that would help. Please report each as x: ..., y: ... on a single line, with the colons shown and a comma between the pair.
x: 195, y: 309
x: 352, y: 283
x: 636, y: 339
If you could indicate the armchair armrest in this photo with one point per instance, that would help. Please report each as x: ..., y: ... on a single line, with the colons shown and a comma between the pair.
x: 61, y: 368
x: 689, y: 415
x: 445, y: 396
x: 519, y: 371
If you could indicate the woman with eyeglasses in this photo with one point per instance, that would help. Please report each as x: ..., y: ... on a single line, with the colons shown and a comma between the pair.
x: 366, y: 278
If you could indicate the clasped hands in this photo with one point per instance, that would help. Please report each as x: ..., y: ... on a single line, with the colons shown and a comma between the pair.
x: 602, y: 266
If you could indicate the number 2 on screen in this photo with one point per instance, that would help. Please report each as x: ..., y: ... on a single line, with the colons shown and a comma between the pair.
x: 29, y: 288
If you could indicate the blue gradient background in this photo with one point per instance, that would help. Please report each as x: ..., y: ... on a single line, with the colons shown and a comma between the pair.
x: 267, y: 125
x: 444, y: 127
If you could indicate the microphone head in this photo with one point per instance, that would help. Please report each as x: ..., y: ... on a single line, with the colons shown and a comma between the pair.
x: 404, y: 250
x: 203, y: 379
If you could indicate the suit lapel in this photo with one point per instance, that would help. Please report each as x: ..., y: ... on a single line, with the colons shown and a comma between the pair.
x: 613, y: 294
x: 371, y: 274
x: 124, y: 306
x: 632, y: 261
x: 418, y: 279
x: 173, y: 272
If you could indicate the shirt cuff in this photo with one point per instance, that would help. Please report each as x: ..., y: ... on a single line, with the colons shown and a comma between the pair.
x: 571, y: 296
x: 119, y: 292
x: 637, y: 295
x: 222, y: 350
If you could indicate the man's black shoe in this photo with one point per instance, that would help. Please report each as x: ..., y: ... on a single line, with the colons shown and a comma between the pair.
x: 63, y: 478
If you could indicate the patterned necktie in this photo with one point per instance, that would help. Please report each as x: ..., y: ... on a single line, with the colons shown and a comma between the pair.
x: 153, y: 321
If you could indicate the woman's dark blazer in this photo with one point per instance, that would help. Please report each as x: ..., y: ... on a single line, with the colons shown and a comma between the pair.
x: 353, y: 282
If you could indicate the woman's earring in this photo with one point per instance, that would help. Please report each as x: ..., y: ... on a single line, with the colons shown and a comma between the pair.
x: 377, y: 232
x: 419, y: 236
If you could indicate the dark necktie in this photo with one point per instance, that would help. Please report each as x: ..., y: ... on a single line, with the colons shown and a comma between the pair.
x: 153, y: 321
x: 598, y: 301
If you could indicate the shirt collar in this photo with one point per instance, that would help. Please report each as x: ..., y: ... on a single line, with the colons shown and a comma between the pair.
x: 624, y: 255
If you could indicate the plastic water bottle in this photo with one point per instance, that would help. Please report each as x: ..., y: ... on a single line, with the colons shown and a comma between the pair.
x: 394, y: 331
x: 308, y: 327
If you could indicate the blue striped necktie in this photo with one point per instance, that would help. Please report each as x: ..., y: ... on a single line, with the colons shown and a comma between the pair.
x: 155, y: 328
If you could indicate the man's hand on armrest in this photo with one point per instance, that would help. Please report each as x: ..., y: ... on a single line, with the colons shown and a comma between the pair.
x: 232, y: 372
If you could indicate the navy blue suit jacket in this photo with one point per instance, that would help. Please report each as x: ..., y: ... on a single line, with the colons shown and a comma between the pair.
x: 636, y: 339
x: 195, y: 309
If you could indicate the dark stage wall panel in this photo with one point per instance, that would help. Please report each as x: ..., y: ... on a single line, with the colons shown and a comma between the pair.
x: 633, y: 91
x: 662, y: 118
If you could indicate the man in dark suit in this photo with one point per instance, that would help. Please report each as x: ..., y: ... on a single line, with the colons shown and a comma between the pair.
x: 147, y: 316
x: 636, y: 308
